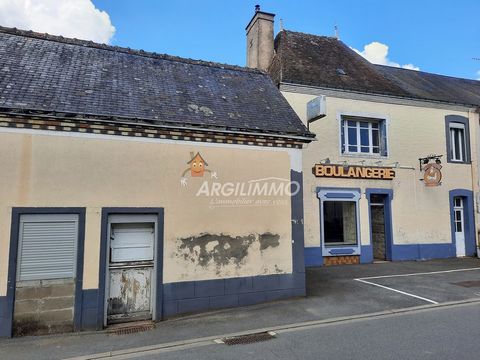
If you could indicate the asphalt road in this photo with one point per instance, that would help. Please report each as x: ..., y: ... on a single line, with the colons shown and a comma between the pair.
x: 332, y: 292
x: 451, y: 332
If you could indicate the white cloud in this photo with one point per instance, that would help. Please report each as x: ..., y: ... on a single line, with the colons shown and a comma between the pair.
x: 478, y: 75
x: 70, y: 18
x: 377, y: 53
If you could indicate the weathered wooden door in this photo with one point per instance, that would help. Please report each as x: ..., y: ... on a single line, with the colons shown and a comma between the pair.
x: 131, y: 268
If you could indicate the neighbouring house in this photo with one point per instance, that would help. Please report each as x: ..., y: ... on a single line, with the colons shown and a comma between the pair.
x: 104, y: 215
x: 393, y: 175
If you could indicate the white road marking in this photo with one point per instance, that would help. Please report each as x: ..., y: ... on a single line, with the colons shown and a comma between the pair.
x: 414, y: 274
x: 397, y: 291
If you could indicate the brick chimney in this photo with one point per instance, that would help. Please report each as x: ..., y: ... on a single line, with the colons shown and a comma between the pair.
x: 260, y: 40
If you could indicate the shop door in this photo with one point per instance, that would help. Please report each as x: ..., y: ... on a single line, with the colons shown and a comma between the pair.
x: 459, y: 220
x: 377, y: 222
x: 131, y: 268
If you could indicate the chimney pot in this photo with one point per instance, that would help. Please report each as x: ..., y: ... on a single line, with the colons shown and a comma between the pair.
x: 257, y: 8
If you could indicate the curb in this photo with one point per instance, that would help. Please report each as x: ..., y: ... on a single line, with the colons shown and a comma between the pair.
x: 210, y: 340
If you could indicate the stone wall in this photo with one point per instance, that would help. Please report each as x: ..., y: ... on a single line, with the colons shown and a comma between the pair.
x: 43, y: 307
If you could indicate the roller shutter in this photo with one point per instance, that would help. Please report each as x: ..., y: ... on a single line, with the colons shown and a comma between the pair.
x: 47, y: 247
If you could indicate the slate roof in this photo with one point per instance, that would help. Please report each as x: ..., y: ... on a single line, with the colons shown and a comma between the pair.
x: 59, y: 75
x: 322, y: 61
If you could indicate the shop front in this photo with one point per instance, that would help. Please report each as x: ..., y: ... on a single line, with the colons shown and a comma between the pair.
x: 380, y: 185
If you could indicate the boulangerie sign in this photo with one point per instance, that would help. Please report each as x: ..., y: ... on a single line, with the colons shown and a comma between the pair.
x: 353, y: 172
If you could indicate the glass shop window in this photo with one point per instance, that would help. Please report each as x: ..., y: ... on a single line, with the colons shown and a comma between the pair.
x: 340, y: 222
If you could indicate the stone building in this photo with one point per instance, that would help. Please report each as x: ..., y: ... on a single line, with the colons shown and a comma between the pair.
x: 139, y: 186
x: 395, y: 168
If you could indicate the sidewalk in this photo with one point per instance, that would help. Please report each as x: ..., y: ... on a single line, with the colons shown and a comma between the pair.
x: 332, y: 292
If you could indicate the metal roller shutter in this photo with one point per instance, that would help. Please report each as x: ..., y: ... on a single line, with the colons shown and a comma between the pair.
x: 47, y: 247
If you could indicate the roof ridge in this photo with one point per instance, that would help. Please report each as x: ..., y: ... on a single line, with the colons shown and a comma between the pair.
x: 304, y: 33
x: 125, y: 50
x: 430, y: 73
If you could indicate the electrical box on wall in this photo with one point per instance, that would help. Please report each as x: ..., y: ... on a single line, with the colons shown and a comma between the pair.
x: 317, y: 108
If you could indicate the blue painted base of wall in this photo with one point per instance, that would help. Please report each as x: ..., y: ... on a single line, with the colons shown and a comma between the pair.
x: 366, y: 255
x: 193, y: 296
x: 422, y: 251
x: 90, y: 310
x: 5, y: 318
x: 313, y: 255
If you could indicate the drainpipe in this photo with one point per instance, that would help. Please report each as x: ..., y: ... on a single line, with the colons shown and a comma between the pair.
x: 474, y: 116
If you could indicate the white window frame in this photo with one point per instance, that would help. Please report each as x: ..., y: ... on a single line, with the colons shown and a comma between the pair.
x: 362, y: 116
x: 339, y: 195
x: 463, y: 149
x: 359, y: 146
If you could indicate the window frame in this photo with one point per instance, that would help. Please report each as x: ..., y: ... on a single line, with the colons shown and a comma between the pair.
x: 339, y: 194
x: 383, y: 122
x: 335, y: 244
x: 457, y: 133
x: 457, y: 122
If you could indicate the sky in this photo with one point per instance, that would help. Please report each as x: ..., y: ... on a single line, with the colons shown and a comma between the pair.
x: 436, y: 36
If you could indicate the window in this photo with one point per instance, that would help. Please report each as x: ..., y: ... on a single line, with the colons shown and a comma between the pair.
x: 458, y: 211
x: 457, y: 142
x: 47, y: 247
x: 364, y: 136
x: 340, y: 222
x: 457, y: 139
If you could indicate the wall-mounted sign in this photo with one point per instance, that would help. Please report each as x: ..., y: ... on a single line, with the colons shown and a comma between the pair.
x: 353, y: 172
x: 432, y: 175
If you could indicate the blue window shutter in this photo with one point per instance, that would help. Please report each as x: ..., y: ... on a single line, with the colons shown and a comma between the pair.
x: 342, y: 132
x: 383, y: 138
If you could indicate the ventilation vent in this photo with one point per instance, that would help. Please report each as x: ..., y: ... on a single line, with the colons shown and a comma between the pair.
x: 341, y: 72
x: 125, y: 329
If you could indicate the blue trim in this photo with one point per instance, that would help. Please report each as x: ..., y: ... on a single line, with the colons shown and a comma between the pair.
x: 339, y: 193
x: 340, y: 251
x: 333, y: 195
x: 423, y: 251
x: 469, y: 214
x: 388, y: 219
x: 313, y: 256
x: 366, y: 254
x: 462, y: 120
x: 194, y: 296
x: 298, y: 256
x: 106, y: 212
x: 7, y: 308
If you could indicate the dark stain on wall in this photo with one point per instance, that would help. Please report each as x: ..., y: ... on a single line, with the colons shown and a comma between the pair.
x: 269, y: 240
x: 223, y: 249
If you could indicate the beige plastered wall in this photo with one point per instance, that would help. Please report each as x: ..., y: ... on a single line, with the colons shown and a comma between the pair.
x: 420, y: 214
x: 53, y: 169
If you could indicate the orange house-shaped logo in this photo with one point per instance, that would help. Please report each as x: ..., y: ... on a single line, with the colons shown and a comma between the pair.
x: 197, y: 165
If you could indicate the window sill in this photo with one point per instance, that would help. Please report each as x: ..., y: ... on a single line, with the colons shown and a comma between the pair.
x: 459, y: 162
